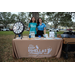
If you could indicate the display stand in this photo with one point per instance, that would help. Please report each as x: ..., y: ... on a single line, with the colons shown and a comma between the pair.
x: 18, y: 29
x: 21, y: 35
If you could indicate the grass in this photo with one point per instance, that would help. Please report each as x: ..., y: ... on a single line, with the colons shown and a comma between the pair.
x: 6, y: 33
x: 24, y: 33
x: 6, y: 38
x: 11, y: 32
x: 61, y: 32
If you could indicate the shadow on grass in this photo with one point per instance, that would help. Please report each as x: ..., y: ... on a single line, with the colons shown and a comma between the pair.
x: 1, y: 54
x: 0, y: 58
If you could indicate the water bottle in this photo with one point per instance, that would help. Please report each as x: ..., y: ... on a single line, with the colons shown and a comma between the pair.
x: 39, y: 36
x: 32, y: 34
x: 55, y: 34
x: 29, y: 35
x: 19, y: 35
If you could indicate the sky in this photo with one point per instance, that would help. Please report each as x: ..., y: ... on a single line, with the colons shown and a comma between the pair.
x: 14, y: 12
x: 41, y: 12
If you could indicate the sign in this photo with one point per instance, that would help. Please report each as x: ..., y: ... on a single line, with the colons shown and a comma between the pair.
x: 37, y: 50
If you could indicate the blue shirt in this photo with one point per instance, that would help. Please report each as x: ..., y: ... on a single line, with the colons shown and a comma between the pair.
x: 41, y: 27
x: 33, y: 27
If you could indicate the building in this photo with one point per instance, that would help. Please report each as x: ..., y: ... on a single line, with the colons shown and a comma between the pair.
x: 10, y: 26
x: 1, y: 26
x: 64, y: 27
x: 73, y: 25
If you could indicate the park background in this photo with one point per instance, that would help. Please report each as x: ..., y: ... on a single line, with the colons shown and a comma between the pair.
x: 59, y: 20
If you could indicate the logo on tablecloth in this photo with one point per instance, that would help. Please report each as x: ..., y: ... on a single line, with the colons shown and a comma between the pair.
x: 36, y: 50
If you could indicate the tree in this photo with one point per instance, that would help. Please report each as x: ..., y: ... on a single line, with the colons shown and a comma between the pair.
x: 5, y: 18
x: 42, y: 15
x: 0, y: 16
x: 14, y: 18
x: 22, y: 17
x: 66, y: 20
x: 36, y: 15
x: 30, y: 14
x: 52, y: 17
x: 60, y: 18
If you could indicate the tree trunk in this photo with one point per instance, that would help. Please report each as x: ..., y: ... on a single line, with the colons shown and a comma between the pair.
x: 36, y: 15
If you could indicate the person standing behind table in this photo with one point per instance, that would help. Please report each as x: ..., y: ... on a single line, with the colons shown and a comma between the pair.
x: 33, y: 25
x: 41, y: 27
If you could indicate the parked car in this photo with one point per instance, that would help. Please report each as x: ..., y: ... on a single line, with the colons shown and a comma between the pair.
x: 27, y: 29
x: 11, y: 29
x: 63, y: 29
x: 56, y: 30
x: 0, y: 29
x: 69, y: 29
x: 5, y: 29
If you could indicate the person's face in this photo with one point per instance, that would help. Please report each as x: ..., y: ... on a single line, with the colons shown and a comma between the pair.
x: 33, y: 19
x: 40, y: 20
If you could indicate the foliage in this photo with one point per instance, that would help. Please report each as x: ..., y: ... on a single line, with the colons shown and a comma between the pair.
x: 66, y: 20
x: 22, y: 17
x: 60, y: 18
x: 13, y: 18
x: 57, y: 18
x: 7, y: 18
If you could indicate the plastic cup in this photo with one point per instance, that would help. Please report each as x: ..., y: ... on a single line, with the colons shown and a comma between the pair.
x: 19, y: 35
x: 29, y: 35
x: 39, y: 36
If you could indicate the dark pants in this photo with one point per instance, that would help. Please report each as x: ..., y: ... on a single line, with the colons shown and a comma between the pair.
x: 40, y: 33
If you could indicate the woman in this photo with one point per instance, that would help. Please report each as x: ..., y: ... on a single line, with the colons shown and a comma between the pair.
x: 41, y: 27
x: 33, y: 25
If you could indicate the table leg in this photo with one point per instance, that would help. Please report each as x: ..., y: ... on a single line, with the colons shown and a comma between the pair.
x: 66, y: 53
x: 15, y: 36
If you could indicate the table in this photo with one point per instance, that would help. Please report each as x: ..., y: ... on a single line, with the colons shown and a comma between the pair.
x: 68, y: 46
x: 68, y: 40
x: 37, y: 48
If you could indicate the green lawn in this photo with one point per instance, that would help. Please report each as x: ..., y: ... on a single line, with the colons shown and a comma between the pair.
x: 61, y: 32
x: 11, y: 32
x: 25, y: 32
x: 6, y: 33
x: 6, y: 38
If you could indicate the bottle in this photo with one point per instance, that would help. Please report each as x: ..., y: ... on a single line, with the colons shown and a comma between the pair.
x: 32, y: 34
x: 29, y: 35
x: 19, y: 35
x: 55, y: 34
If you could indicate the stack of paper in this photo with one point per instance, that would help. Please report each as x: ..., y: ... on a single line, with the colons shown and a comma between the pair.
x: 58, y: 38
x: 18, y: 38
